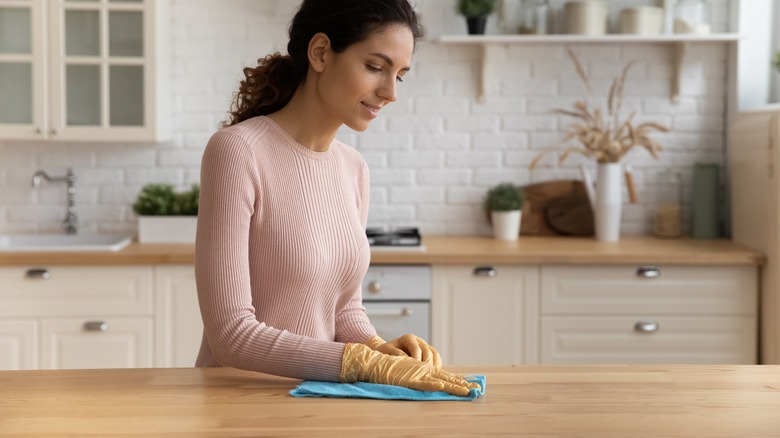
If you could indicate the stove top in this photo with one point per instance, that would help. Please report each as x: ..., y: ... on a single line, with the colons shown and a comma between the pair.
x: 394, y: 238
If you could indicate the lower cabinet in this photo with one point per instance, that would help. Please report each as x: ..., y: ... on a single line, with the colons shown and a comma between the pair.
x: 60, y: 317
x: 649, y: 314
x: 485, y: 315
x: 84, y: 342
x: 178, y: 326
x: 497, y: 315
x: 18, y: 344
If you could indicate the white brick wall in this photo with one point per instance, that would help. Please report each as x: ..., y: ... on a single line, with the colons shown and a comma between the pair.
x: 433, y: 154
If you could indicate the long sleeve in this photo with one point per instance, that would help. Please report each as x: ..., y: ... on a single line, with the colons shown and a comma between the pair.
x: 280, y: 251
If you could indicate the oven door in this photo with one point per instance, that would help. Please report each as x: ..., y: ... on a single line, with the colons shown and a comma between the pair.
x: 395, y: 319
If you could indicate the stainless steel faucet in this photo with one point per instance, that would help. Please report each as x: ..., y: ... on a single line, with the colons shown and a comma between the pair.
x: 70, y: 224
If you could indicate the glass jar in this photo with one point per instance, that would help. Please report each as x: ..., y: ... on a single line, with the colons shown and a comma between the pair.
x: 692, y: 16
x: 535, y: 17
x: 668, y: 216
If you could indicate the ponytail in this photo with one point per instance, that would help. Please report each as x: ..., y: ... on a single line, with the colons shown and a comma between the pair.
x: 266, y: 88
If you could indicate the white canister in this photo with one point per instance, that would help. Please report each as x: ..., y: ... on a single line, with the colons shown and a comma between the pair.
x: 642, y: 20
x: 585, y: 17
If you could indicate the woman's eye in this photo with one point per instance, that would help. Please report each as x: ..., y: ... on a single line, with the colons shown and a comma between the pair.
x: 399, y: 78
x: 373, y: 68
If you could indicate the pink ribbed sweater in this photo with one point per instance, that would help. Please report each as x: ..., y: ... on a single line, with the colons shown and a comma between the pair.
x: 281, y: 252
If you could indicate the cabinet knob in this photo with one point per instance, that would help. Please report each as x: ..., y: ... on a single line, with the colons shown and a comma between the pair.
x: 374, y: 287
x: 485, y: 271
x: 54, y: 131
x: 648, y: 272
x: 39, y: 131
x: 646, y: 327
x: 38, y: 274
x: 96, y: 326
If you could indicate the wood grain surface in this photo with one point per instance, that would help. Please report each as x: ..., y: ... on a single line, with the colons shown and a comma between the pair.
x: 573, y: 401
x: 459, y: 250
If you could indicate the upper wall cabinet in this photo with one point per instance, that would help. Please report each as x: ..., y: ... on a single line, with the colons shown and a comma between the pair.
x: 84, y: 70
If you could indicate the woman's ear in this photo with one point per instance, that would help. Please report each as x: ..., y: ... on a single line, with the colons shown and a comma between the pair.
x: 318, y: 49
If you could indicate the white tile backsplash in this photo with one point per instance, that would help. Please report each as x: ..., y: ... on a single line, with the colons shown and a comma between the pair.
x: 432, y: 154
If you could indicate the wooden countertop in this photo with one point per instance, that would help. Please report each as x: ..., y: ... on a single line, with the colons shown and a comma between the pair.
x: 583, y: 401
x: 460, y: 250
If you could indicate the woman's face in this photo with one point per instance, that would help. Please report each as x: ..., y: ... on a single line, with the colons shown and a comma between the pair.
x: 357, y: 83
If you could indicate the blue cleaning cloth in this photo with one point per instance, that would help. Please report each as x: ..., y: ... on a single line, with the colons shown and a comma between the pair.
x: 315, y: 388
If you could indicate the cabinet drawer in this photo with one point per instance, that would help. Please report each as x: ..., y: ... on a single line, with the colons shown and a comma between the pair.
x: 683, y: 340
x: 721, y: 290
x: 75, y: 290
x: 93, y: 342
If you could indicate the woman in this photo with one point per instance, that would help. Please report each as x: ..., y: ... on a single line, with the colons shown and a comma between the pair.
x: 281, y: 249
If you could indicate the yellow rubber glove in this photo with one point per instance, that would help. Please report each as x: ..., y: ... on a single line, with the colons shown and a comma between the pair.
x: 362, y: 364
x: 407, y: 345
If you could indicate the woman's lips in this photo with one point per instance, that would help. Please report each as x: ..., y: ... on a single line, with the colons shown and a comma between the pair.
x: 373, y: 110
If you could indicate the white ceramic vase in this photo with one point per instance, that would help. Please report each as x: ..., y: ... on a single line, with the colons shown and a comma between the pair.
x: 506, y: 224
x: 609, y: 201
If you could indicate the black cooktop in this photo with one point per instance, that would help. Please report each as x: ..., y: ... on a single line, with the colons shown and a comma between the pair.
x: 393, y: 236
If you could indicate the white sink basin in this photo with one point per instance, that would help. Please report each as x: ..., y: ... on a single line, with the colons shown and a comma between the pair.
x: 62, y: 242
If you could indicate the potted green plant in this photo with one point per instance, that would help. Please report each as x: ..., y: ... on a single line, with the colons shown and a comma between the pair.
x: 165, y: 216
x: 476, y: 13
x: 504, y: 202
x: 776, y: 61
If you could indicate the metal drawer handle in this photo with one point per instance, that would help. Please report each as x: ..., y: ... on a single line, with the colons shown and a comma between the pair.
x: 485, y: 271
x: 646, y: 327
x: 96, y: 326
x: 403, y: 312
x: 648, y: 272
x: 38, y: 274
x: 374, y: 287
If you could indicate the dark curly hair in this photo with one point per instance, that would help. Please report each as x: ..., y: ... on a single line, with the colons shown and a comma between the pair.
x: 270, y: 85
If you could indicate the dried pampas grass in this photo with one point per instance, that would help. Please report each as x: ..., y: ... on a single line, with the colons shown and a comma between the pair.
x: 604, y: 137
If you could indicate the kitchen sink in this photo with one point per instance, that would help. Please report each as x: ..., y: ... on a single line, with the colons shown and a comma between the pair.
x: 62, y: 242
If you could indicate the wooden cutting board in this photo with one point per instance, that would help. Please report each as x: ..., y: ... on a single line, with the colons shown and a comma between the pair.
x: 554, y: 208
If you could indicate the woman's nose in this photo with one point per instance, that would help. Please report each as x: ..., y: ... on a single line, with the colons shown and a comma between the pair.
x: 388, y: 90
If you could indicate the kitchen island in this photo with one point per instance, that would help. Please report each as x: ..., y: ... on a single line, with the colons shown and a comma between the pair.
x: 585, y: 400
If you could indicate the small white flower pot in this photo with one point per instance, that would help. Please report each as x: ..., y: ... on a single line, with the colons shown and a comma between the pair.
x: 506, y: 224
x: 167, y: 229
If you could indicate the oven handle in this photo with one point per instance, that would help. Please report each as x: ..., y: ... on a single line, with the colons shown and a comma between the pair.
x: 402, y: 312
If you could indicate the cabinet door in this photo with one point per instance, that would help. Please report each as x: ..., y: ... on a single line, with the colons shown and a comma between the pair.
x: 103, y: 70
x: 22, y: 76
x: 77, y: 343
x: 485, y: 315
x: 18, y: 344
x: 641, y: 339
x: 179, y: 328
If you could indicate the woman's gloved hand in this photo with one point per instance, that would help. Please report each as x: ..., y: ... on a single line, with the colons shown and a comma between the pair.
x: 407, y: 345
x: 362, y: 364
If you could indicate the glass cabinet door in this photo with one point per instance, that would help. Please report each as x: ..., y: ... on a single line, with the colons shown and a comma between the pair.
x: 21, y: 69
x: 100, y: 65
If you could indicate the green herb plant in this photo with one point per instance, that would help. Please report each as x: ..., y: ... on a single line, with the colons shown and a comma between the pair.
x: 162, y: 200
x: 475, y: 8
x: 776, y: 61
x: 504, y: 197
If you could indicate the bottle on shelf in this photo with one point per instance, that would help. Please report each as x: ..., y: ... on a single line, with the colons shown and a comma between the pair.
x: 668, y: 215
x: 692, y: 16
x: 535, y: 17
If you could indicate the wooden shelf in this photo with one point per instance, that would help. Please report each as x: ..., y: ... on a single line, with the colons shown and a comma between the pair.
x: 609, y: 38
x: 680, y: 43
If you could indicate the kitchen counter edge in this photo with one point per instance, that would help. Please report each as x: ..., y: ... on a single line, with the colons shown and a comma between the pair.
x: 451, y: 250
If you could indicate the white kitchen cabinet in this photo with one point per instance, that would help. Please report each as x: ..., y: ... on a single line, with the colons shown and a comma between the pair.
x: 84, y: 70
x: 18, y: 344
x: 648, y: 314
x: 178, y: 325
x: 485, y: 315
x: 96, y: 342
x: 76, y: 316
